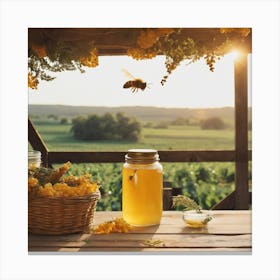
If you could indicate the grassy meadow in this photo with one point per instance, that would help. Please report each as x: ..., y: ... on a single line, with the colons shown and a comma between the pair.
x: 186, y: 137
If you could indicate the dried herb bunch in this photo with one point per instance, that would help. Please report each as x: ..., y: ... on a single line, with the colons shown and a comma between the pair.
x: 185, y: 201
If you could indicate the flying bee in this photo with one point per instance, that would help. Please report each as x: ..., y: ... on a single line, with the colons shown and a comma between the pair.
x: 134, y: 83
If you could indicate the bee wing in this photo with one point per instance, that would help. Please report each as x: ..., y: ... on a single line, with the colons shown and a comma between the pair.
x: 128, y: 75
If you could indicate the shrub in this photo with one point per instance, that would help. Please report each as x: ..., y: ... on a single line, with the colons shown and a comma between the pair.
x: 64, y: 121
x: 106, y: 127
x: 213, y: 123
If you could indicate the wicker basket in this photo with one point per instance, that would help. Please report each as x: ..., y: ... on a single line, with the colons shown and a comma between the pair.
x: 61, y: 215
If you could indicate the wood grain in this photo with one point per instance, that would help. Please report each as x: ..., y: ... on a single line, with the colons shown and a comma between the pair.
x: 229, y: 231
x: 241, y: 132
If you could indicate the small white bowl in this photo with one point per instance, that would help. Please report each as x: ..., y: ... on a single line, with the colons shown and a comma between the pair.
x: 197, y: 220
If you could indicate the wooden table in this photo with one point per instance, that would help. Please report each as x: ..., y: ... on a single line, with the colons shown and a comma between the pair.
x: 229, y: 231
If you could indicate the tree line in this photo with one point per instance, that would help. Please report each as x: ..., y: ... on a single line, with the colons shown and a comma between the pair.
x: 106, y: 127
x: 209, y: 123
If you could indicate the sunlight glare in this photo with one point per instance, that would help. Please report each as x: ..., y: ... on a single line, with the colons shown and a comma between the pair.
x: 234, y: 54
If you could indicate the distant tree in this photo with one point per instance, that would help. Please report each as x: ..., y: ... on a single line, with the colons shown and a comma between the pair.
x: 128, y: 128
x: 52, y: 116
x: 106, y: 127
x: 213, y: 123
x: 78, y: 127
x: 63, y: 121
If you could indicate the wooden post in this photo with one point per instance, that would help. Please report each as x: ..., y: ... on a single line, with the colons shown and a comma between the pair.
x: 167, y: 195
x: 241, y: 132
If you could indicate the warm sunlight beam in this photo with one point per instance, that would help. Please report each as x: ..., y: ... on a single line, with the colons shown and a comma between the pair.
x: 234, y: 54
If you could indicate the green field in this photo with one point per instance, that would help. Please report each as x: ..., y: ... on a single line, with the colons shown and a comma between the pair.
x: 207, y: 183
x: 59, y: 138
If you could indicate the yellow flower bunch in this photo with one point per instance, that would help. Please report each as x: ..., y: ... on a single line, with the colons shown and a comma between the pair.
x: 146, y: 39
x: 32, y: 81
x: 91, y: 60
x: 46, y: 182
x: 32, y: 182
x: 138, y: 53
x: 149, y: 37
x: 116, y: 225
x: 64, y: 190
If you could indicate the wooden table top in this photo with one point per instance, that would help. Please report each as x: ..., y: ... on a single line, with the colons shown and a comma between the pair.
x: 229, y: 231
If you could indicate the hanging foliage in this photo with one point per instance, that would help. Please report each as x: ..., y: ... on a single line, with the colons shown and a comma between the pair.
x: 177, y: 47
x: 67, y: 49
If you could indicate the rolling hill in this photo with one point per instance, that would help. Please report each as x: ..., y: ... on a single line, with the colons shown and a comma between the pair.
x: 140, y: 112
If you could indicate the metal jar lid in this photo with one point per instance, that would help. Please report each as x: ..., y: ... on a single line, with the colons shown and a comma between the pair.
x: 34, y: 154
x: 144, y: 156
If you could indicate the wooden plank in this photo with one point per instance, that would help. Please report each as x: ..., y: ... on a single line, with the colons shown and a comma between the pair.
x: 120, y: 250
x: 165, y: 156
x: 224, y: 223
x: 226, y: 228
x: 167, y: 240
x: 241, y: 133
x: 235, y: 214
x: 37, y: 142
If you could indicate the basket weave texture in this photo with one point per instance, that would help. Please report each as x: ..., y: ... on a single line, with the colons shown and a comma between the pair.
x: 61, y: 215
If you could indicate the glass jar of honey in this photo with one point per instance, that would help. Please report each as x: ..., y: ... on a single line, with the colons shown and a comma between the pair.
x: 34, y: 159
x: 142, y: 184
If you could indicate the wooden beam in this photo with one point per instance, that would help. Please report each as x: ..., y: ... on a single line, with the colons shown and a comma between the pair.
x: 165, y: 156
x: 37, y: 142
x: 241, y: 132
x: 228, y: 203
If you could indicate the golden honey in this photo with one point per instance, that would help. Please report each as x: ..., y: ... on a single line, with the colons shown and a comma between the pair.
x: 142, y: 188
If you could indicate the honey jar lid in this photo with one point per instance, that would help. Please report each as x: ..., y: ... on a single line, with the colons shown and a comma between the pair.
x: 142, y: 156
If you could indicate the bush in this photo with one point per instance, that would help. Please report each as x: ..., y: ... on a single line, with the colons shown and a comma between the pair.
x: 64, y: 121
x: 213, y: 123
x: 106, y: 127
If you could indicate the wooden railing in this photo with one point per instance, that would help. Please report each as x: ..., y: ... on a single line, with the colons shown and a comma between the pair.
x: 240, y: 198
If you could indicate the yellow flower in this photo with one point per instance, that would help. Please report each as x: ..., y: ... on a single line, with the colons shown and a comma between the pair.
x: 91, y: 60
x: 32, y: 182
x: 147, y: 39
x: 138, y: 53
x: 32, y: 81
x: 116, y: 225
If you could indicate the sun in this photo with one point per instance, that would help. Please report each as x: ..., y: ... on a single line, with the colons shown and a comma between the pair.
x: 234, y: 54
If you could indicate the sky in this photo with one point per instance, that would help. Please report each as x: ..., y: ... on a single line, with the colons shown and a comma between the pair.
x: 189, y: 86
